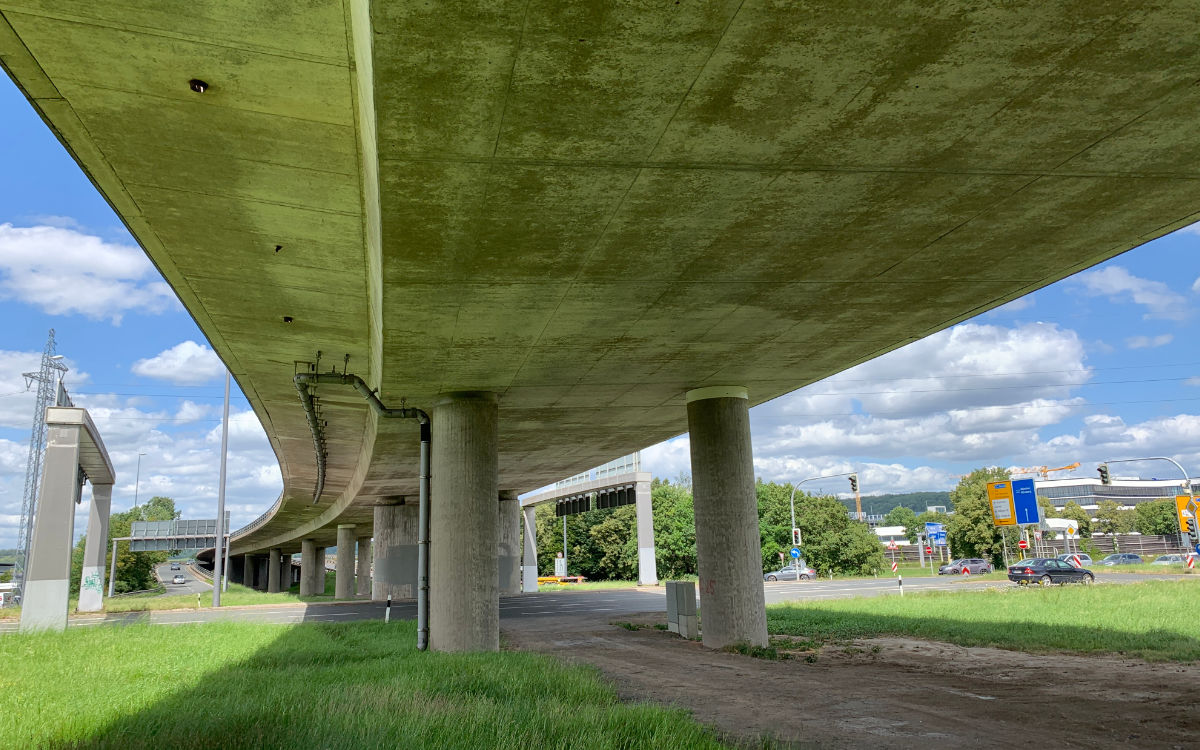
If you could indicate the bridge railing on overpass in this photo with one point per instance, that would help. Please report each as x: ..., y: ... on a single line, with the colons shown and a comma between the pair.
x: 260, y: 520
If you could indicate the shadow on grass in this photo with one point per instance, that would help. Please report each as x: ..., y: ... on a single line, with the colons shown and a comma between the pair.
x: 1157, y: 644
x: 364, y: 685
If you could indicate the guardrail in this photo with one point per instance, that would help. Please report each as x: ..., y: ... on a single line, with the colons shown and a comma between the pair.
x: 260, y: 520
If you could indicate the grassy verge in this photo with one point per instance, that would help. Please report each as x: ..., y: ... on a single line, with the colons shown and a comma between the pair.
x: 1155, y: 620
x: 237, y: 595
x: 340, y: 685
x: 1179, y: 569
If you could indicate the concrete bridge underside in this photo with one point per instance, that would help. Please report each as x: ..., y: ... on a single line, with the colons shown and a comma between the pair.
x: 590, y: 209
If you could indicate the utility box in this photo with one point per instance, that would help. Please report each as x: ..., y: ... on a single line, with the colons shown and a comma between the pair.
x: 681, y: 608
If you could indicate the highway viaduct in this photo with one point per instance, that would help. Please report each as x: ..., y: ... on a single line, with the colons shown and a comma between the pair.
x: 566, y: 231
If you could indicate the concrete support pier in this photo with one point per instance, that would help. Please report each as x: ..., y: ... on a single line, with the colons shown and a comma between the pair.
x: 529, y: 569
x: 362, y: 571
x: 395, y: 552
x: 508, y: 559
x: 464, y: 610
x: 343, y: 581
x: 248, y: 570
x: 274, y: 571
x: 647, y: 564
x: 728, y: 546
x: 312, y: 568
x: 74, y: 451
x: 91, y: 583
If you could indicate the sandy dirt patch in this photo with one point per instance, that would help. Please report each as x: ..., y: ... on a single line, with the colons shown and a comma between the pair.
x: 887, y: 692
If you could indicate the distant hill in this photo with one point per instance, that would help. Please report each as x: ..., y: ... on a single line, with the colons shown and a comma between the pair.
x: 918, y: 501
x: 8, y: 555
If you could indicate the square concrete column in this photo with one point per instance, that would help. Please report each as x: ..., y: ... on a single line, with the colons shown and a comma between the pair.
x: 44, y: 599
x: 248, y: 570
x: 312, y: 568
x: 529, y: 570
x: 343, y: 581
x: 395, y: 551
x: 728, y: 545
x: 464, y: 610
x: 91, y: 584
x: 274, y: 571
x: 508, y: 560
x: 362, y: 573
x: 647, y: 564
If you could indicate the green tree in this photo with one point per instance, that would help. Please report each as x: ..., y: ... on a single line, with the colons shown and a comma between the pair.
x: 970, y: 532
x: 1110, y: 519
x: 904, y: 516
x: 135, y: 570
x: 775, y: 521
x: 1075, y: 512
x: 835, y: 542
x: 1157, y: 517
x: 674, y: 530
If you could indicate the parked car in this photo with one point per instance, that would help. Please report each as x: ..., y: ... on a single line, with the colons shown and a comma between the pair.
x: 1084, y: 558
x: 1170, y: 560
x: 790, y: 573
x: 1121, y: 558
x: 1048, y: 570
x: 972, y: 565
x: 178, y: 579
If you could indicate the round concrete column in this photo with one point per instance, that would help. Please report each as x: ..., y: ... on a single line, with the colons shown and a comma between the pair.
x: 312, y: 569
x: 728, y: 546
x: 362, y: 572
x: 273, y: 569
x: 248, y: 571
x: 464, y: 610
x: 343, y: 581
x: 395, y: 551
x: 509, y: 548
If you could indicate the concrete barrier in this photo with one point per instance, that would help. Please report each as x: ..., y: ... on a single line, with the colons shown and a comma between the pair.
x: 681, y: 609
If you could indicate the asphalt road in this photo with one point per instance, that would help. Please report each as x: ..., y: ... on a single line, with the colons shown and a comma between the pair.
x: 602, y: 605
x: 193, y: 586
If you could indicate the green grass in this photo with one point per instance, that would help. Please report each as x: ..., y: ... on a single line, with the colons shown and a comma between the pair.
x: 356, y: 685
x: 236, y: 596
x: 1155, y: 620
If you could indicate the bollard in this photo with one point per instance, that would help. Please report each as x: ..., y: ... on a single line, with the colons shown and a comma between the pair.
x: 197, y: 601
x: 900, y: 583
x: 387, y: 611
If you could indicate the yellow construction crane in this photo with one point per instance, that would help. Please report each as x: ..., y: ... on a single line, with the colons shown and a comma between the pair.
x: 1044, y: 471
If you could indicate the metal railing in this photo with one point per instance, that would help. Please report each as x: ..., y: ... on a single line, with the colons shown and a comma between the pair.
x: 260, y: 520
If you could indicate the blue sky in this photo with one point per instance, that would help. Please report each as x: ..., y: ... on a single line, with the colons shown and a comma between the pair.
x: 1102, y: 365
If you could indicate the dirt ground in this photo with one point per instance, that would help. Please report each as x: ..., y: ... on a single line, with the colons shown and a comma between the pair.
x: 888, y: 692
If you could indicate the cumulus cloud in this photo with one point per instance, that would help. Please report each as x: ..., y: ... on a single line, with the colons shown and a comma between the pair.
x: 63, y: 271
x: 1149, y: 342
x: 186, y: 363
x: 1118, y: 284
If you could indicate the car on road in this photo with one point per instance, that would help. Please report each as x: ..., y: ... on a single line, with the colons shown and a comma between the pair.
x: 1084, y: 558
x: 972, y: 565
x: 790, y: 573
x: 1121, y: 558
x: 174, y: 566
x: 1170, y: 560
x: 178, y: 579
x: 1048, y: 570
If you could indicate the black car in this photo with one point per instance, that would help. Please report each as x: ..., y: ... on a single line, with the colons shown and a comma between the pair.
x: 1048, y: 570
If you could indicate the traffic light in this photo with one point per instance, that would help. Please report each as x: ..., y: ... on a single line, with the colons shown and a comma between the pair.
x: 1104, y: 478
x: 795, y: 537
x: 1192, y: 532
x: 854, y: 483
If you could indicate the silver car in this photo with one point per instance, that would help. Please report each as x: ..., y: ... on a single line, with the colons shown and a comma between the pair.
x: 801, y: 572
x: 1170, y: 560
x: 1085, y: 560
x: 972, y: 565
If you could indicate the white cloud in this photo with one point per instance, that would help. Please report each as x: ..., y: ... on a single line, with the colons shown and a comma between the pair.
x: 186, y: 363
x: 1149, y: 342
x: 1193, y: 381
x: 1118, y: 284
x: 63, y: 271
x: 1196, y: 285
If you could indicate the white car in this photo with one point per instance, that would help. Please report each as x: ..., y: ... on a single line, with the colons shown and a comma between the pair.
x: 1170, y: 560
x: 178, y: 579
x: 1084, y: 559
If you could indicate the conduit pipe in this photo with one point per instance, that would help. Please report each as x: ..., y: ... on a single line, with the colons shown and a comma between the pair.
x: 305, y: 379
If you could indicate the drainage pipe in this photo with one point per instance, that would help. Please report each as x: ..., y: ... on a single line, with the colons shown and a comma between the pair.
x: 302, y: 381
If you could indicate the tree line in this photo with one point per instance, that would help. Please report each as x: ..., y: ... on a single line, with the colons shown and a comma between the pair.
x: 135, y: 570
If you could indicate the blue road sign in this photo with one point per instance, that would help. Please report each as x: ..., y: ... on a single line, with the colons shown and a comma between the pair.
x: 1198, y: 549
x: 936, y: 534
x: 795, y: 553
x: 1025, y: 502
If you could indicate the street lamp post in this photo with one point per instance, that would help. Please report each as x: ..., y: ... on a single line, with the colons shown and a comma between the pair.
x: 1187, y: 481
x: 138, y: 481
